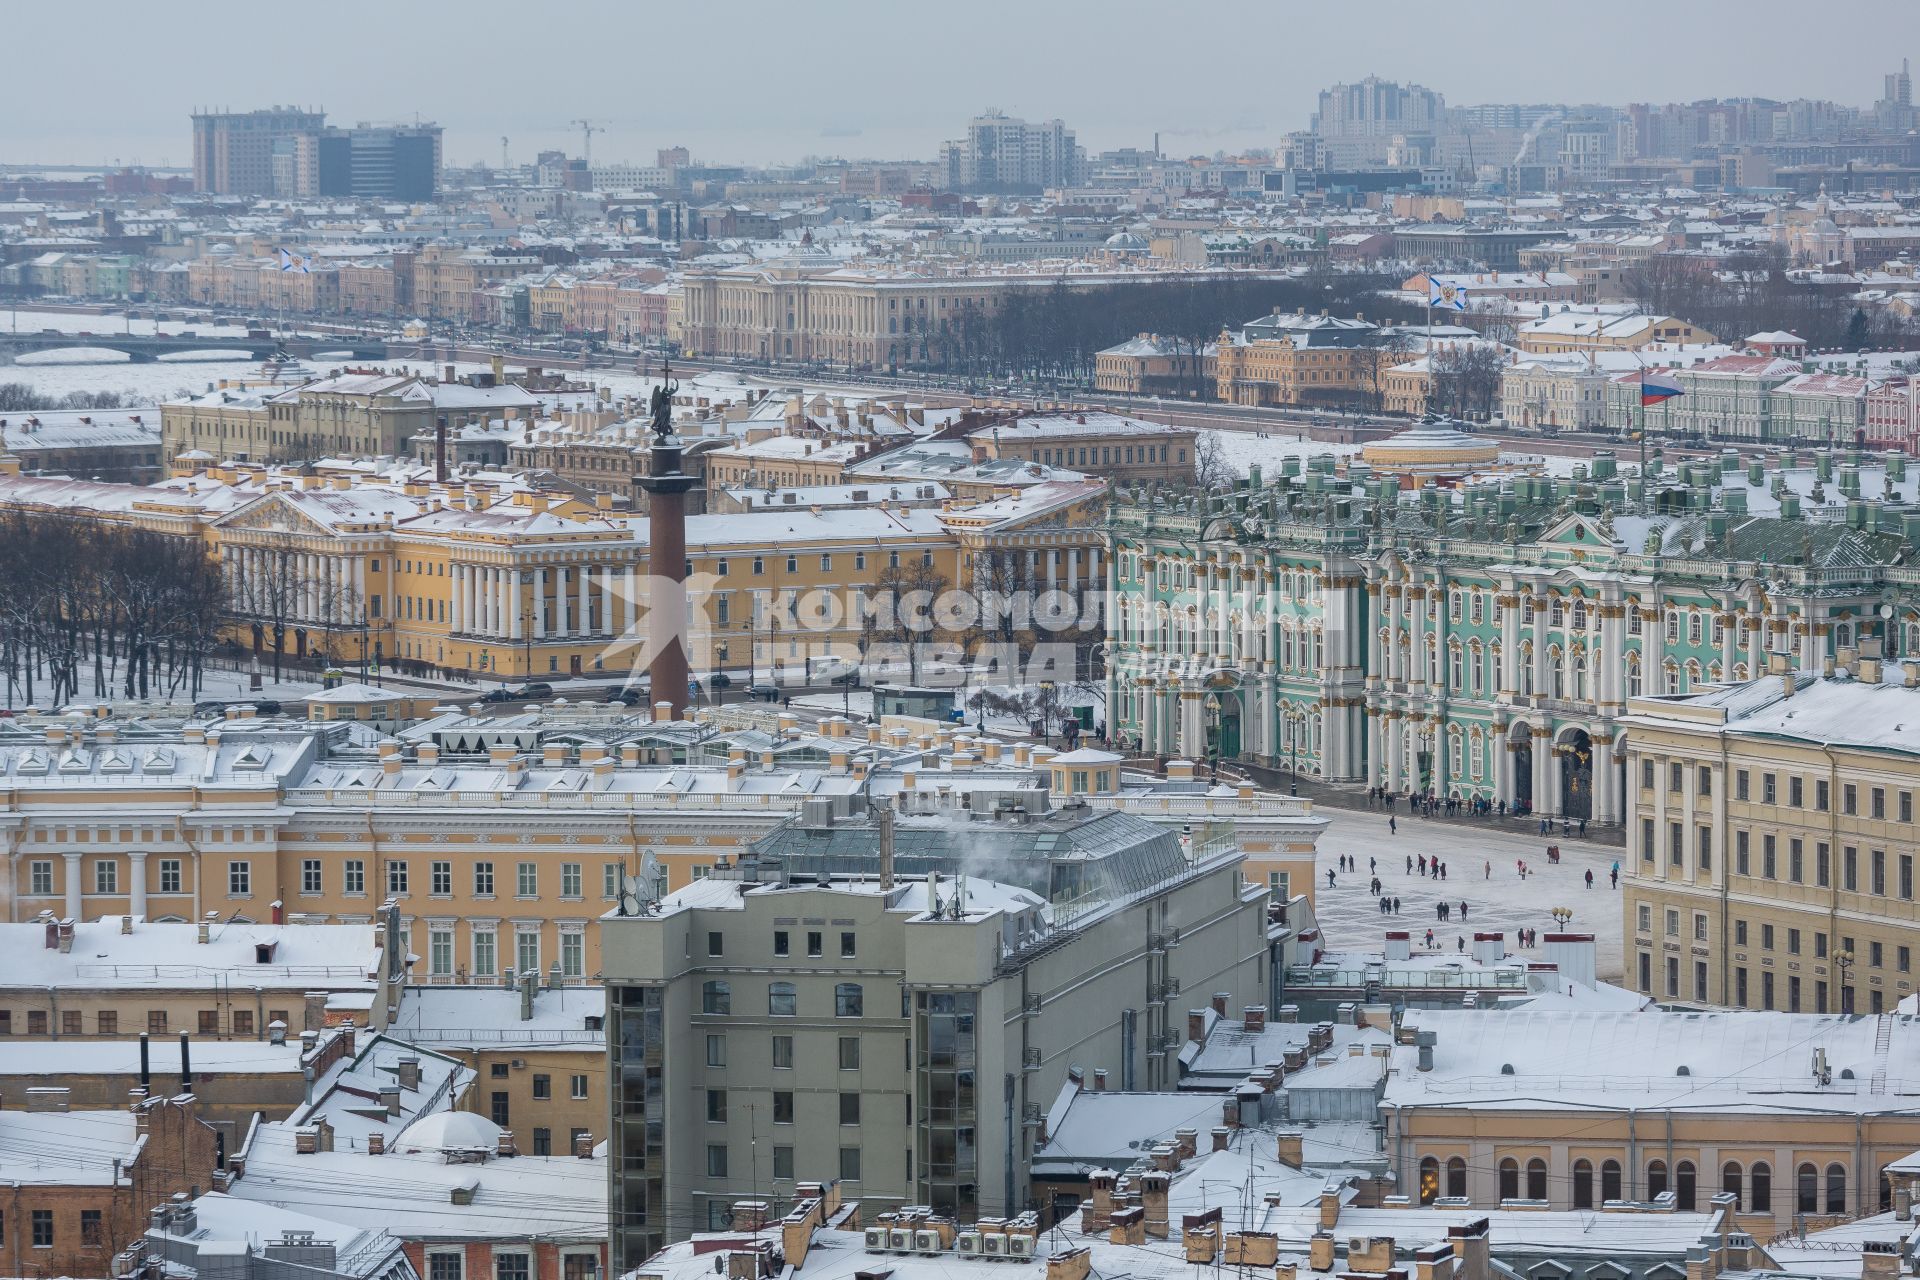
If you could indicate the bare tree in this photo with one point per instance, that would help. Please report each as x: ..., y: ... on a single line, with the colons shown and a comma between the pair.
x: 271, y: 589
x: 1211, y: 470
x: 1464, y: 381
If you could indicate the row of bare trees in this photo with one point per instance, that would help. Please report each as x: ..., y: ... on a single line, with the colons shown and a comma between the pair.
x: 1751, y: 293
x: 93, y: 609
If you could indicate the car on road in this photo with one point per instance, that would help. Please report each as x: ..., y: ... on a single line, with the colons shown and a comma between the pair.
x: 765, y: 692
x: 533, y: 689
x: 850, y: 676
x: 719, y: 680
x: 628, y: 695
x: 499, y: 695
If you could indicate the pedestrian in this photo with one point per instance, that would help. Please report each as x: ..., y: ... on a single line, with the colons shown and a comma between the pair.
x: 1443, y: 871
x: 1589, y: 877
x: 1329, y: 877
x: 1616, y: 875
x: 1429, y: 939
x: 1439, y: 911
x: 1423, y: 864
x: 1489, y: 874
x: 1460, y: 942
x: 1396, y: 906
x: 1409, y: 864
x: 1371, y: 866
x: 1393, y: 828
x: 1463, y: 908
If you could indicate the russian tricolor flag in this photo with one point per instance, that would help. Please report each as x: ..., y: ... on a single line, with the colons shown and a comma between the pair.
x: 1658, y: 387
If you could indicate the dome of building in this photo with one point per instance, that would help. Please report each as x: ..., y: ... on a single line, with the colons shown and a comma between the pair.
x: 1126, y: 240
x: 450, y: 1131
x: 1433, y: 448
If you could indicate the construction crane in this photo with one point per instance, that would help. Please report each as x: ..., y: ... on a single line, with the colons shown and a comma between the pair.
x: 587, y: 130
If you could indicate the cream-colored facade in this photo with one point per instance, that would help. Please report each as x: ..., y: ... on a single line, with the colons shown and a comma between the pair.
x: 1772, y: 846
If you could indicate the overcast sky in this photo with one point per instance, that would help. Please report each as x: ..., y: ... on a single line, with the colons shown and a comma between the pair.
x: 759, y: 81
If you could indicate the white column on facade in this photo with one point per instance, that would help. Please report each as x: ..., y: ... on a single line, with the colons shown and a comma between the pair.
x: 360, y: 584
x: 1510, y: 648
x: 1502, y: 767
x: 1546, y: 796
x: 1613, y: 656
x: 513, y: 604
x: 540, y: 577
x: 456, y: 591
x: 586, y: 599
x: 1653, y: 646
x: 1729, y: 642
x: 1756, y: 645
x: 137, y: 882
x: 1417, y: 647
x: 1603, y: 783
x: 1376, y: 750
x: 1813, y: 645
x: 489, y: 601
x: 628, y: 609
x: 73, y: 886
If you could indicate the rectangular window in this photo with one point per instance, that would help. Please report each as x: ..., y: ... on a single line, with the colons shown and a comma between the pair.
x: 782, y: 943
x: 1796, y: 870
x: 1850, y: 869
x: 782, y: 1106
x: 310, y: 881
x: 1768, y: 791
x: 396, y: 877
x: 610, y: 874
x: 70, y: 1022
x: 816, y: 944
x: 43, y: 1228
x: 716, y: 1160
x: 570, y: 880
x: 1739, y: 933
x: 1673, y: 923
x: 850, y: 1053
x: 1769, y: 858
x: 1906, y: 877
x: 578, y: 1092
x: 716, y: 1051
x: 573, y: 954
x: 1703, y: 842
x: 717, y: 1105
x: 1766, y: 937
x: 782, y: 1163
x: 156, y: 1022
x: 1742, y: 863
x: 846, y: 944
x: 1740, y: 788
x: 1906, y: 806
x: 850, y: 1164
x: 1646, y: 839
x: 526, y: 951
x: 527, y: 880
x: 1821, y: 796
x: 106, y: 1023
x: 444, y: 1266
x: 1879, y: 861
x: 440, y: 879
x: 106, y: 877
x: 484, y: 953
x: 239, y: 879
x: 849, y: 1108
x: 1849, y: 800
x: 1796, y: 793
x: 354, y: 877
x: 542, y: 1087
x: 783, y: 1053
x: 440, y: 952
x: 1793, y: 942
x: 1675, y: 773
x: 1706, y: 781
x: 483, y: 879
x: 716, y: 943
x: 511, y: 1266
x: 1645, y: 918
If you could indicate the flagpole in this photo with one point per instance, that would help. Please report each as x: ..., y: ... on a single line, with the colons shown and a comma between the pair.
x: 1643, y: 428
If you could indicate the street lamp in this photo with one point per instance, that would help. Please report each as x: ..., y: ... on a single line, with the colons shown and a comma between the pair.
x: 1561, y: 915
x: 1843, y: 960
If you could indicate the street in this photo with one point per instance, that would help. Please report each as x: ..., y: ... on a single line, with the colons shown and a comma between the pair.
x: 1497, y: 899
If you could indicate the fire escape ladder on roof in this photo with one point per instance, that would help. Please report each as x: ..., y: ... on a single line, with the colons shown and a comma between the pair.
x: 1882, y: 1041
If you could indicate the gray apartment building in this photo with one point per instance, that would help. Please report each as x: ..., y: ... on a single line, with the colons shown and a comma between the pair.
x: 812, y: 1015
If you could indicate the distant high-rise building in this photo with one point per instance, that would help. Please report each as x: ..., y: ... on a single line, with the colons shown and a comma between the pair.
x: 379, y: 162
x: 1357, y: 123
x: 1895, y: 108
x: 673, y: 158
x: 251, y: 153
x: 1002, y: 153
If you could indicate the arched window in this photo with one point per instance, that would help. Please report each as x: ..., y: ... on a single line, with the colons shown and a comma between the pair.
x: 1656, y: 1178
x: 782, y: 1000
x: 847, y: 1000
x: 1429, y: 1179
x: 1536, y: 1179
x: 1760, y: 1189
x: 1730, y: 1182
x: 1683, y: 1186
x: 1633, y: 675
x: 1836, y: 1188
x: 1583, y: 1184
x: 1806, y: 1197
x: 1509, y: 1179
x: 716, y: 997
x: 1558, y: 672
x: 1610, y: 1188
x: 1457, y: 1177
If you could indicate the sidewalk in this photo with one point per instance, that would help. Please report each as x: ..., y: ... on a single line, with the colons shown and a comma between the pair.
x: 1353, y: 795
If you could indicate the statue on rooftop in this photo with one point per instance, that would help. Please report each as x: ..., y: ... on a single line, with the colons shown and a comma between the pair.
x: 661, y: 403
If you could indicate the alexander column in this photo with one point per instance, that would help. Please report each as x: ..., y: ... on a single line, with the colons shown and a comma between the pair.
x: 666, y: 486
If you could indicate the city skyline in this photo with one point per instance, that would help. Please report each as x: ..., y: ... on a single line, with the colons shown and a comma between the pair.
x: 643, y: 101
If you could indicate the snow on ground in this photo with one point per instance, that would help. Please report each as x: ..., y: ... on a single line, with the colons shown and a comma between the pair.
x: 1243, y: 449
x: 29, y: 321
x: 1500, y: 901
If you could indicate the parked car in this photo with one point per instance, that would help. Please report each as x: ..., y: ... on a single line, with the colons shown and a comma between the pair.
x: 626, y: 696
x: 267, y: 707
x: 533, y: 689
x: 499, y: 695
x: 765, y: 692
x: 719, y: 680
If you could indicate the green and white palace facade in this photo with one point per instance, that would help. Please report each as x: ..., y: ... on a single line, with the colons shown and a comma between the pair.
x: 1481, y: 640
